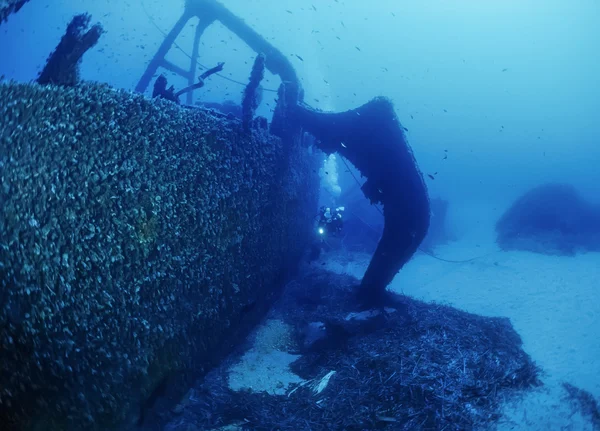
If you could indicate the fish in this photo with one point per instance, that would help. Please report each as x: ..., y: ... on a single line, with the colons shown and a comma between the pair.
x: 431, y: 176
x: 299, y: 58
x: 386, y: 419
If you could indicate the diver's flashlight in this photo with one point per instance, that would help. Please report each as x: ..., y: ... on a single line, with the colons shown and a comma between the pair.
x: 321, y: 231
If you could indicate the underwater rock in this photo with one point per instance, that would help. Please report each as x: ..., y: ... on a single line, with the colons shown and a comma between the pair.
x: 8, y: 7
x: 550, y: 219
x: 138, y: 239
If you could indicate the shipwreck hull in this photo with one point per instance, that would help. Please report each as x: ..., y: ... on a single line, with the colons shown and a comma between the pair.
x: 8, y: 7
x: 135, y: 237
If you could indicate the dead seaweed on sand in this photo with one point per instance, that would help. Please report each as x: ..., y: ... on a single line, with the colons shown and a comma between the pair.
x: 585, y: 401
x: 417, y: 366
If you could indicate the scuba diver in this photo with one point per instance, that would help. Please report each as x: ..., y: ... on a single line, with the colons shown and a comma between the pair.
x: 372, y: 138
x: 330, y: 222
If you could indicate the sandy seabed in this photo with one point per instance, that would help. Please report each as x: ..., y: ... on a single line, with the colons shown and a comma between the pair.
x: 553, y: 303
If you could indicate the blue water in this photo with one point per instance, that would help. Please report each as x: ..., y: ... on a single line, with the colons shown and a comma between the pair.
x: 510, y: 89
x: 497, y: 97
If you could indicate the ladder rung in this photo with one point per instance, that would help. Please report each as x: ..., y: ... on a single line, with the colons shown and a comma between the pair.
x: 173, y: 68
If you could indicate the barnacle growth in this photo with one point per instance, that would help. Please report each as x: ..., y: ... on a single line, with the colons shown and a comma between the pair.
x: 129, y: 251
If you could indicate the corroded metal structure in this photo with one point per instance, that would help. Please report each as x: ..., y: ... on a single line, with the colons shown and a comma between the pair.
x: 370, y: 136
x: 209, y: 11
x: 8, y: 7
x: 135, y: 237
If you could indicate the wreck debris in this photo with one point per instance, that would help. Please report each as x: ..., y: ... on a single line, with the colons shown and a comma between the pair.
x: 128, y: 224
x: 8, y: 7
x: 161, y: 90
x: 209, y: 11
x: 62, y: 67
x: 218, y: 68
x: 372, y: 138
x: 253, y: 91
x: 288, y: 96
